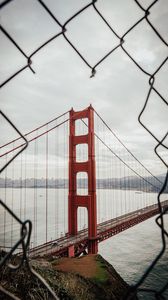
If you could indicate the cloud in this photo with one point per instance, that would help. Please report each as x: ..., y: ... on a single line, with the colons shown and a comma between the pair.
x: 62, y: 79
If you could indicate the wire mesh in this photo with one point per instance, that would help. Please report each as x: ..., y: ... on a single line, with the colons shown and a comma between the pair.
x: 25, y: 231
x: 64, y: 33
x: 35, y: 168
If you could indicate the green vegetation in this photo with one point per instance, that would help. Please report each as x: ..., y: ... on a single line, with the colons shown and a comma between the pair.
x: 104, y: 284
x: 101, y: 274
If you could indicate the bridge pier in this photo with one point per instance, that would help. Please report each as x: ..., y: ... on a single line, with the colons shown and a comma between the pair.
x: 75, y: 200
x: 93, y: 246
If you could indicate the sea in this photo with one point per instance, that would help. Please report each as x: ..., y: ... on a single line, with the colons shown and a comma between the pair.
x: 130, y: 252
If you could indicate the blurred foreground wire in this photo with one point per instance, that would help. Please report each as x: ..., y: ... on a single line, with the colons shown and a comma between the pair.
x: 152, y: 78
x: 25, y: 234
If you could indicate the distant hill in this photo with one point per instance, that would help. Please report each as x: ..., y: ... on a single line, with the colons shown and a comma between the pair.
x: 148, y: 184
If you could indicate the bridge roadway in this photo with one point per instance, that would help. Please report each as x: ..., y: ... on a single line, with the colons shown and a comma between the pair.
x: 105, y: 230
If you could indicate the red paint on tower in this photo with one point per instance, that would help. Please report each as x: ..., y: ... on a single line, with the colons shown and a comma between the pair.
x: 75, y: 200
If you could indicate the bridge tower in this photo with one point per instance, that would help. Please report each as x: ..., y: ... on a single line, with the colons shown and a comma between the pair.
x: 75, y: 200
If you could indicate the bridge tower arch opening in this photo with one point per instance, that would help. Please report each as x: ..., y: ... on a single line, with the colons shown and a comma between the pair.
x: 82, y: 183
x: 75, y: 200
x: 82, y: 218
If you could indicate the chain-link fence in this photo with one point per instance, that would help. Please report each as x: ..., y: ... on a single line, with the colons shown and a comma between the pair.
x: 63, y: 30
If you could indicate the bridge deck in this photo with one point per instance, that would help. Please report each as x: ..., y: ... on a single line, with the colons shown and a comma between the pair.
x: 105, y: 230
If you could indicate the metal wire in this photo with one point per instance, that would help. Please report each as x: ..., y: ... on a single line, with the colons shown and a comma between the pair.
x: 152, y: 88
x: 25, y: 233
x: 121, y: 160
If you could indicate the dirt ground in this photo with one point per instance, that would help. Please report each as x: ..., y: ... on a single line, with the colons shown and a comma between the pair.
x: 87, y: 278
x: 86, y: 266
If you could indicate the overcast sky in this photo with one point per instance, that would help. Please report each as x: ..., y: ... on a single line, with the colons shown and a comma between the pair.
x: 62, y: 80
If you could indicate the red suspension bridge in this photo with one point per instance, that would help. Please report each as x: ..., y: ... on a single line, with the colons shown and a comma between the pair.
x: 78, y: 184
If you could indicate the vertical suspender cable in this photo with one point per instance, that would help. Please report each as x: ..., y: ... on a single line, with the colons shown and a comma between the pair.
x: 35, y: 189
x: 124, y: 188
x: 55, y: 198
x: 107, y: 175
x: 47, y: 184
x: 13, y: 171
x: 129, y: 187
x: 5, y: 202
x: 34, y: 206
x: 120, y: 188
x: 56, y: 184
x: 104, y: 172
x: 36, y: 168
x: 21, y: 186
x: 98, y: 176
x: 59, y: 194
x: 25, y: 185
x: 115, y: 184
x: 144, y: 195
x: 64, y: 172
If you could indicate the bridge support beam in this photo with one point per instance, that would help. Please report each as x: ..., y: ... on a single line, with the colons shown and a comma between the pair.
x: 75, y: 200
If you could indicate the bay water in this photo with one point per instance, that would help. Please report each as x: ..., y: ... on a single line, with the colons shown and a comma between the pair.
x: 130, y: 252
